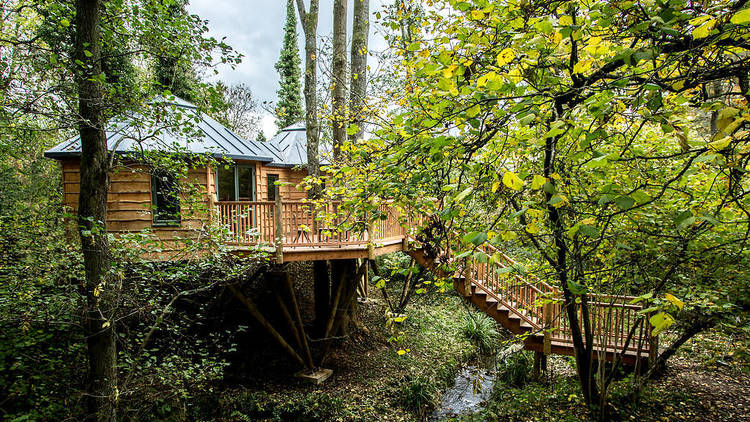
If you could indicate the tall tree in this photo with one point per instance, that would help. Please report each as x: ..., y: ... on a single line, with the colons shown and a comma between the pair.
x: 358, y: 84
x: 241, y: 113
x: 92, y: 213
x: 175, y: 72
x: 309, y: 21
x: 289, y: 108
x: 338, y: 77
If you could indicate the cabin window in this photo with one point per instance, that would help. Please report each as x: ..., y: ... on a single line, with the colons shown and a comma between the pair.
x: 236, y: 183
x: 165, y: 198
x: 225, y: 184
x: 273, y: 190
x: 246, y: 183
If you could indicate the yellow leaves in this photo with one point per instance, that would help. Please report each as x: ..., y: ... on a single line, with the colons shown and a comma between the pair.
x: 582, y: 66
x: 565, y: 20
x: 704, y: 30
x: 508, y: 235
x: 512, y: 181
x: 720, y: 144
x: 477, y: 15
x: 676, y: 302
x: 449, y: 71
x: 741, y: 18
x: 538, y: 181
x: 506, y: 56
x: 495, y: 186
x: 532, y: 228
x: 515, y: 75
x: 678, y: 85
x: 491, y: 81
x: 473, y: 111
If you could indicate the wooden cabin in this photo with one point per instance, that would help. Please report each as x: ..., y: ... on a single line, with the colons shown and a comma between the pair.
x: 240, y: 195
x: 257, y: 212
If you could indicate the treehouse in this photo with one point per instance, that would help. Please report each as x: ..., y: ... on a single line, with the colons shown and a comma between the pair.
x: 254, y: 191
x: 254, y: 195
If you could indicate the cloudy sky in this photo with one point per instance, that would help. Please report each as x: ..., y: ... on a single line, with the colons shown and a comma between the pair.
x: 255, y: 28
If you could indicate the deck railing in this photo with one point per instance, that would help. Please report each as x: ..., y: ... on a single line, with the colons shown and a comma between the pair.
x: 305, y: 224
x: 541, y: 306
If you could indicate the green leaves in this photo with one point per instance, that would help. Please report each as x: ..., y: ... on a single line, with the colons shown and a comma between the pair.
x: 476, y: 238
x: 577, y: 288
x: 660, y: 322
x: 624, y: 202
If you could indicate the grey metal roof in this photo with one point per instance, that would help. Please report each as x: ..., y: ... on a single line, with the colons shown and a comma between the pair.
x: 291, y: 142
x: 207, y: 136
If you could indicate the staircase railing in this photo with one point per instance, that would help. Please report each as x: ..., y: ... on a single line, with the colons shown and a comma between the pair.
x: 540, y: 305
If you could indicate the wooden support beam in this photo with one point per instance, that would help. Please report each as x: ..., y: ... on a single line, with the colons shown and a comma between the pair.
x: 335, y: 304
x: 288, y: 318
x: 298, y: 316
x: 266, y: 325
x: 547, y: 317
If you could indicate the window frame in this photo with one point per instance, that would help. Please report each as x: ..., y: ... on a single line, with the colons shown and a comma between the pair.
x: 271, y: 186
x: 236, y: 177
x: 156, y: 220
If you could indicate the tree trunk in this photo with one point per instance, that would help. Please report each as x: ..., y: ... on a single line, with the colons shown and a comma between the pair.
x: 338, y: 103
x: 92, y: 215
x: 583, y: 350
x: 309, y: 21
x: 322, y: 293
x: 358, y: 84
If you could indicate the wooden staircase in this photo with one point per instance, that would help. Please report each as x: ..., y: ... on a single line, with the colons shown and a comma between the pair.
x: 532, y: 308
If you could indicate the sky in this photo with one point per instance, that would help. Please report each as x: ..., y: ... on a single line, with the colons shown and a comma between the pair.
x: 255, y: 28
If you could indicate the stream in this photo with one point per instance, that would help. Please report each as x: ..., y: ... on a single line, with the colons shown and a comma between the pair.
x: 472, y: 388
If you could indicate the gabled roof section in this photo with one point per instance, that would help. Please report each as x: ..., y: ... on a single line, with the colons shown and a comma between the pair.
x: 207, y: 136
x: 291, y: 142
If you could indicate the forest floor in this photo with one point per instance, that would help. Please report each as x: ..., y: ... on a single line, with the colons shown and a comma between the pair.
x: 371, y: 380
x: 708, y: 380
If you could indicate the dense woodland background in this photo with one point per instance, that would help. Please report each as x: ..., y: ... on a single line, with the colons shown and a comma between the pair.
x: 603, y: 145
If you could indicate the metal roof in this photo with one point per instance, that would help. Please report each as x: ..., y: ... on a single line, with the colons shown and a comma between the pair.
x: 286, y: 149
x: 291, y: 143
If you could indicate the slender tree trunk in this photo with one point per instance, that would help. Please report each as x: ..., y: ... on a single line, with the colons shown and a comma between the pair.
x: 309, y: 21
x: 92, y: 213
x: 358, y: 84
x: 583, y: 350
x: 338, y: 103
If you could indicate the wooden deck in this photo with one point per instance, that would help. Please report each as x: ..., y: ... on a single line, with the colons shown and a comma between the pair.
x: 303, y: 231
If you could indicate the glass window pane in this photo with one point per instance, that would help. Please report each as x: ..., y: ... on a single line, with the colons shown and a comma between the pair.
x: 272, y: 188
x: 166, y: 198
x: 246, y: 182
x: 226, y: 184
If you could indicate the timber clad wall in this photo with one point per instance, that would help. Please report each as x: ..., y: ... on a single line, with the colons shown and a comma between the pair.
x: 129, y: 201
x: 289, y: 192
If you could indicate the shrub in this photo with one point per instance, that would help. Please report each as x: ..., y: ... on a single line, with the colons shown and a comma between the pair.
x: 514, y: 369
x: 418, y: 394
x: 481, y: 331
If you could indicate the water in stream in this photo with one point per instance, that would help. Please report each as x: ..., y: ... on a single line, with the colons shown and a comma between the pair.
x: 471, y: 390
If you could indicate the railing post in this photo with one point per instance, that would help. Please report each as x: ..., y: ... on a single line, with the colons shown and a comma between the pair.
x: 547, y: 317
x: 370, y: 240
x: 467, y: 278
x: 653, y: 343
x: 279, y: 230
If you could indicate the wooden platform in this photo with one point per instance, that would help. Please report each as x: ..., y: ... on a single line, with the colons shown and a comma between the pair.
x: 294, y: 253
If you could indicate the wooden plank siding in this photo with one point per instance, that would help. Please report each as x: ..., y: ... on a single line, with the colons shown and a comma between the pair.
x: 289, y: 192
x: 129, y: 202
x: 129, y: 199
